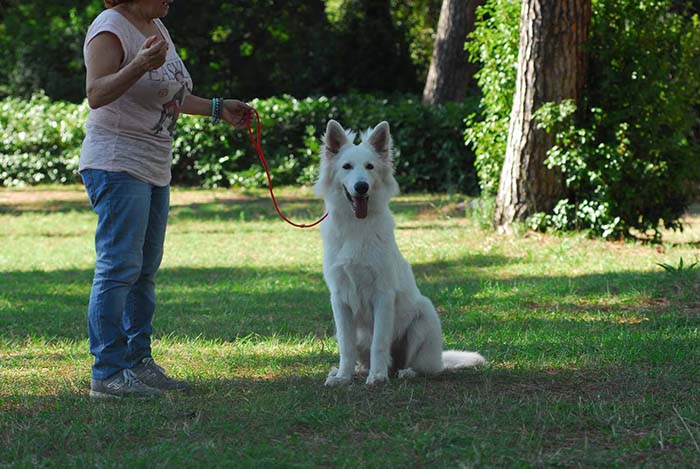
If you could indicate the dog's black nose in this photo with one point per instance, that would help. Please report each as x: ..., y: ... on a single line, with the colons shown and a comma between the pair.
x: 361, y: 187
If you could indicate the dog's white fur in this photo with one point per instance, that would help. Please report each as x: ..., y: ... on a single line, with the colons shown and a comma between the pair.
x: 380, y: 315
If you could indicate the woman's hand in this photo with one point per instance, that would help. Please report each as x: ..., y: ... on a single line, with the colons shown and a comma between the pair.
x: 235, y: 112
x: 152, y: 54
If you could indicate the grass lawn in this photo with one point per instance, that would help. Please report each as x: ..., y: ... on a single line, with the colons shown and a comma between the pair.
x: 594, y: 349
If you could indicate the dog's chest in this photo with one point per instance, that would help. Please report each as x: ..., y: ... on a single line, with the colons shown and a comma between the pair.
x: 354, y: 274
x: 355, y: 285
x: 358, y: 277
x: 352, y: 266
x: 359, y: 264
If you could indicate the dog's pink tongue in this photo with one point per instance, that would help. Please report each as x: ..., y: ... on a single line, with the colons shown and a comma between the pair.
x: 359, y: 205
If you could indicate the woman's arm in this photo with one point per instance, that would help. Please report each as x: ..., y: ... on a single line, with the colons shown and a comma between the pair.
x: 233, y: 111
x: 196, y: 106
x: 105, y: 82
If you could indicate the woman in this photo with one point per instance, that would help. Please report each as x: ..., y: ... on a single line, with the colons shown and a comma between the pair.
x: 136, y: 87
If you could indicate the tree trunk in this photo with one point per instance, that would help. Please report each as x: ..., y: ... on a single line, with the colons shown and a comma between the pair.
x: 551, y: 67
x: 450, y: 70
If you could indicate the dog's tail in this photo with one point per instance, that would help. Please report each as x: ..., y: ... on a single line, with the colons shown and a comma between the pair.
x: 456, y: 359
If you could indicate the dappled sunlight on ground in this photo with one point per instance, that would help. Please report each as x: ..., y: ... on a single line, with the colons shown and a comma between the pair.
x: 591, y: 345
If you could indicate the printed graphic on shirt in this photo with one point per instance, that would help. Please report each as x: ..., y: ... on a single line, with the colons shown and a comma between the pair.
x: 172, y: 71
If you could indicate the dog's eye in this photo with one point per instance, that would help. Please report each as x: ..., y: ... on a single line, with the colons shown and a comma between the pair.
x: 369, y: 166
x: 347, y: 166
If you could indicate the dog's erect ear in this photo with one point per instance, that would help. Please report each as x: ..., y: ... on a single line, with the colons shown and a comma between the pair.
x: 335, y: 138
x: 380, y: 139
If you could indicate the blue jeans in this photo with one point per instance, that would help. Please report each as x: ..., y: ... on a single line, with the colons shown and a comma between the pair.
x: 131, y: 220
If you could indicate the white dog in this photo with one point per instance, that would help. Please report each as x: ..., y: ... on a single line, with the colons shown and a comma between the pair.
x: 383, y: 323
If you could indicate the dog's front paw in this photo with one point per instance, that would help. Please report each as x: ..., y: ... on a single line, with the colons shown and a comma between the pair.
x: 407, y: 373
x: 377, y: 378
x: 334, y: 379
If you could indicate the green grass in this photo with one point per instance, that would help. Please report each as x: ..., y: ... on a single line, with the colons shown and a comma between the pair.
x: 594, y: 349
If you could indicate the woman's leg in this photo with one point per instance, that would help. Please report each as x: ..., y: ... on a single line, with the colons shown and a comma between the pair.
x: 122, y: 204
x: 141, y: 301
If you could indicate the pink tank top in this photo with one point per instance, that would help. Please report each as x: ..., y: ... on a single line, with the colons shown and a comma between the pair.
x: 134, y: 133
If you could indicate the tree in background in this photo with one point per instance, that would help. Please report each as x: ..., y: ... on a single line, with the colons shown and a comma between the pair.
x: 551, y: 68
x: 450, y: 69
x: 629, y: 150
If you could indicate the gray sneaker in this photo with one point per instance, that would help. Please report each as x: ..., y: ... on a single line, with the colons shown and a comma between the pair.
x: 154, y: 376
x: 123, y: 384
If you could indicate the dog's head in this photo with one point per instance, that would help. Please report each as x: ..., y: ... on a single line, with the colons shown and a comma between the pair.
x: 362, y: 175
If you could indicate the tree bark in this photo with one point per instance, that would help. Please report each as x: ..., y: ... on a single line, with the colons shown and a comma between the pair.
x: 551, y: 67
x: 450, y: 70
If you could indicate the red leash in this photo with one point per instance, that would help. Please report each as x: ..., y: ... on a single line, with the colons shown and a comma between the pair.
x: 255, y: 140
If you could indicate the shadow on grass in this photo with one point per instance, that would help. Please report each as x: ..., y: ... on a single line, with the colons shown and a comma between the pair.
x: 228, y: 303
x: 239, y: 209
x: 45, y: 207
x: 248, y: 209
x: 569, y: 417
x: 293, y: 370
x: 421, y: 395
x: 296, y: 208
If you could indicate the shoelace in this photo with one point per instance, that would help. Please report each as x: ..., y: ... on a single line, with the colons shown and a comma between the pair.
x: 131, y: 380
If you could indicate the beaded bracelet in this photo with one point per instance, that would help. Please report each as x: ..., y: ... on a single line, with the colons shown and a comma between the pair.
x: 216, y: 110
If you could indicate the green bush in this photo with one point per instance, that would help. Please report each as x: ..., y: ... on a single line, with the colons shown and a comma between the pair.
x: 630, y: 153
x: 41, y: 142
x: 41, y: 47
x: 427, y: 141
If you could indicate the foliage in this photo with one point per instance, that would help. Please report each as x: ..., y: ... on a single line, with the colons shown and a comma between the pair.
x: 416, y: 20
x: 246, y: 50
x: 370, y: 51
x: 428, y: 152
x: 419, y: 18
x: 41, y: 47
x: 494, y: 43
x: 41, y: 142
x: 629, y: 157
x: 631, y: 151
x: 681, y: 268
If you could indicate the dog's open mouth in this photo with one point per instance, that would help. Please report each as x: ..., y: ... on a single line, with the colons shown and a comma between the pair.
x: 359, y: 204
